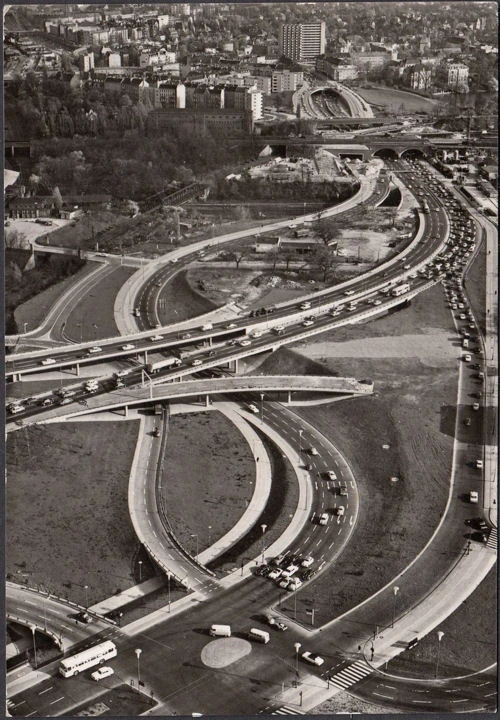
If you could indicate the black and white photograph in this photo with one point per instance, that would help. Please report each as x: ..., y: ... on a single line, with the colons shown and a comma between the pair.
x: 251, y: 358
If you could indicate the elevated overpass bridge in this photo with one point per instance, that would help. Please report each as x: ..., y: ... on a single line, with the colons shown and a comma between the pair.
x: 359, y: 146
x: 285, y: 386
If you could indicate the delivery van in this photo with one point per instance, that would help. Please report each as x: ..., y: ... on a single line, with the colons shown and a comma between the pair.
x: 258, y: 635
x: 220, y: 631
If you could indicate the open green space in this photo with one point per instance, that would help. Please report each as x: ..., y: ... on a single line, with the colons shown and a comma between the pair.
x: 67, y: 519
x: 30, y: 293
x: 469, y: 642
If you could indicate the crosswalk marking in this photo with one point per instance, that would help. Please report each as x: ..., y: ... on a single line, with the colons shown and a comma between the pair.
x: 492, y: 540
x: 286, y: 710
x: 351, y: 675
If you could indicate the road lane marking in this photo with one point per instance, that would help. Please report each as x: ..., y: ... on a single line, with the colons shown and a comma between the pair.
x: 384, y: 696
x: 46, y: 690
x: 56, y: 701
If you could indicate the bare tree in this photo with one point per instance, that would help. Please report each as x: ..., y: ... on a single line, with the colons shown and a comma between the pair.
x: 324, y: 258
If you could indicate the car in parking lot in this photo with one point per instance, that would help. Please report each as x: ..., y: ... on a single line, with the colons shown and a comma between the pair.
x: 312, y: 658
x: 340, y: 511
x: 331, y: 475
x: 102, y: 673
x: 475, y: 406
x: 479, y: 464
x: 307, y: 561
x: 467, y: 357
x: 467, y: 421
x: 294, y: 584
x: 284, y: 582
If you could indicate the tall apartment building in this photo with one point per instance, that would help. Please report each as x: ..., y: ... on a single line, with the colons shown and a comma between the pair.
x: 303, y: 41
x: 283, y: 80
x: 458, y: 75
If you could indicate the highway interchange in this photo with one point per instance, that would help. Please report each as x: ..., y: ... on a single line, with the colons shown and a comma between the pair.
x: 265, y: 679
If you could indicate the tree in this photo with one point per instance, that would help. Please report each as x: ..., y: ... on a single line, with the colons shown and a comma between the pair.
x: 324, y: 258
x: 237, y: 257
x: 58, y: 201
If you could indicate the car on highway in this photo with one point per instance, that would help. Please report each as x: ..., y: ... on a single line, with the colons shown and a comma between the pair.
x: 156, y: 338
x: 253, y: 408
x: 185, y: 336
x: 313, y: 451
x: 102, y: 673
x: 331, y: 475
x: 349, y: 292
x: 377, y: 302
x: 308, y: 322
x: 128, y: 346
x: 48, y: 361
x: 275, y: 574
x: 323, y: 519
x: 198, y: 361
x: 95, y: 349
x: 473, y: 497
x: 230, y: 326
x: 14, y: 408
x: 305, y: 305
x: 245, y: 343
x: 312, y: 658
x: 294, y: 584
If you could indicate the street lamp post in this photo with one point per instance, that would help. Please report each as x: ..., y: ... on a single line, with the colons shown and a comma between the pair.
x: 297, y: 647
x: 138, y: 653
x: 140, y: 570
x: 300, y: 442
x: 262, y: 407
x: 33, y: 630
x: 395, y: 591
x: 263, y: 528
x: 195, y: 536
x: 440, y: 635
x: 25, y: 327
x: 86, y: 588
x: 209, y: 535
x: 168, y: 586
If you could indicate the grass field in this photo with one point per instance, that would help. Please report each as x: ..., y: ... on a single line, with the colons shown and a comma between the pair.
x: 394, y: 101
x: 67, y: 520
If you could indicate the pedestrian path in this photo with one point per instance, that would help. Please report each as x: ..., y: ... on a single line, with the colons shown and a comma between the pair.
x: 493, y: 539
x: 351, y: 675
x: 286, y: 710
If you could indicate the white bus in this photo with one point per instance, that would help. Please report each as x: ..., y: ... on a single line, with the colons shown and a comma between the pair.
x: 87, y: 658
x: 400, y: 290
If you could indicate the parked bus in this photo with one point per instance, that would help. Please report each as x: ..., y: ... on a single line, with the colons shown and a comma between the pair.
x: 87, y: 658
x: 400, y: 290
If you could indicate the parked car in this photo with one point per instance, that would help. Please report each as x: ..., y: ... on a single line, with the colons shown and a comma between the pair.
x: 307, y: 562
x: 277, y: 624
x: 331, y: 475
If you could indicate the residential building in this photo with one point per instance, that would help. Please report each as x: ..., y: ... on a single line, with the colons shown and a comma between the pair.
x: 221, y: 121
x: 420, y: 77
x: 336, y: 69
x: 286, y: 80
x: 458, y: 75
x: 302, y: 41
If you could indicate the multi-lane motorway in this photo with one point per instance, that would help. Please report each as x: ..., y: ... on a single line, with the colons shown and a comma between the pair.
x: 179, y: 667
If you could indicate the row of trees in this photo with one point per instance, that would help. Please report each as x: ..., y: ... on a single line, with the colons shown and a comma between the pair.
x: 249, y: 189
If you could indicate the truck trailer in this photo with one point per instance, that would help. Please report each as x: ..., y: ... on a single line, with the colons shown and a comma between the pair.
x: 163, y: 364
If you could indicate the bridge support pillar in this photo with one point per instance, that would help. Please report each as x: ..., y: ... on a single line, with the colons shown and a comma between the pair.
x: 289, y: 397
x: 207, y: 400
x: 77, y: 367
x: 16, y: 377
x: 125, y: 410
x: 145, y: 357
